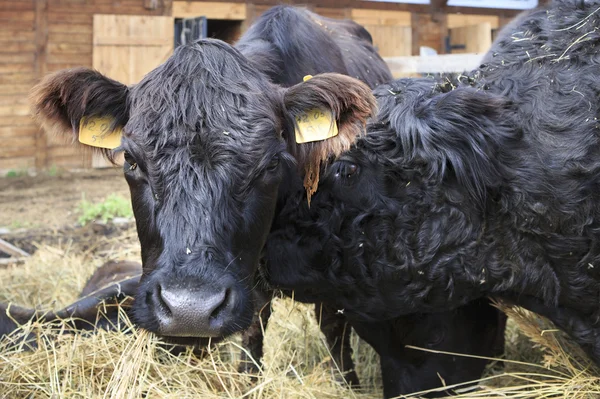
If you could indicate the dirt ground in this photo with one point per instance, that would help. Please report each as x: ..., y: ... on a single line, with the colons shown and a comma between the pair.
x: 45, y: 201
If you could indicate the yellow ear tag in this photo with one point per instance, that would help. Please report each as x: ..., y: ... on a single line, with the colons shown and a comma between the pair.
x: 307, y: 77
x: 95, y: 131
x: 315, y: 125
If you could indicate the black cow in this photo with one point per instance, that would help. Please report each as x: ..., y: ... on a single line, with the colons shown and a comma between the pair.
x: 208, y: 137
x: 485, y: 186
x: 211, y: 153
x: 302, y: 254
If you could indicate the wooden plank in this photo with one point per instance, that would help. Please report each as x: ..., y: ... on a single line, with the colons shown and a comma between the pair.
x: 405, y: 66
x: 11, y: 250
x: 16, y: 5
x: 17, y: 163
x: 209, y: 9
x: 14, y: 68
x: 62, y: 18
x: 108, y: 8
x: 59, y: 140
x: 381, y: 17
x: 14, y: 89
x: 59, y: 37
x: 22, y: 16
x: 335, y: 13
x: 15, y: 47
x: 133, y: 41
x: 391, y: 41
x: 12, y: 78
x: 15, y: 121
x: 74, y: 59
x: 69, y: 156
x: 63, y: 150
x: 462, y: 20
x: 76, y: 161
x: 13, y: 99
x: 9, y: 132
x: 79, y: 29
x: 69, y: 48
x: 16, y: 35
x: 19, y: 142
x: 17, y: 58
x: 17, y: 152
x: 16, y: 109
x: 475, y: 38
x: 16, y: 26
x: 58, y: 66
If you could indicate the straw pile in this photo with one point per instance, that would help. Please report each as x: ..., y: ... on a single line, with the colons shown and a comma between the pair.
x: 135, y: 365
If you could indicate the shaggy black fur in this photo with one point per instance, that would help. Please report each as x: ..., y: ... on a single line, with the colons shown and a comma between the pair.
x: 486, y: 185
x: 207, y: 138
x: 209, y: 148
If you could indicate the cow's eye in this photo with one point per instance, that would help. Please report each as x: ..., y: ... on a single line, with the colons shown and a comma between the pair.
x: 346, y: 170
x: 274, y: 163
x: 130, y: 163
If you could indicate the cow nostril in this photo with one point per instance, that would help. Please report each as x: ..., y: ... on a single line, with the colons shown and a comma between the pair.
x: 221, y: 306
x: 162, y: 302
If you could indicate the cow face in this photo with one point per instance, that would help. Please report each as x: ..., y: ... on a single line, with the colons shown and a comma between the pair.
x: 395, y: 217
x: 206, y: 140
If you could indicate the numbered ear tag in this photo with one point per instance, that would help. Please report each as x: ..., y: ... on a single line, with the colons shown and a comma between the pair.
x: 95, y: 132
x: 315, y: 125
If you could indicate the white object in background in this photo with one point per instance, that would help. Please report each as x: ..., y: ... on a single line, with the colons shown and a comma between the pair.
x: 508, y: 4
x: 403, y: 66
x: 426, y: 51
x: 404, y: 1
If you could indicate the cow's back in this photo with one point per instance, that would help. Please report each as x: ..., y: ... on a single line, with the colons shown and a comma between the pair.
x: 287, y: 43
x: 546, y: 63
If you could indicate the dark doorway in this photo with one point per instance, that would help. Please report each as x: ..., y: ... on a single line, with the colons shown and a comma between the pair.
x: 188, y: 30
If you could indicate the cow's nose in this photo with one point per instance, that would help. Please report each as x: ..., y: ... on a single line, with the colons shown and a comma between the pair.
x: 192, y: 313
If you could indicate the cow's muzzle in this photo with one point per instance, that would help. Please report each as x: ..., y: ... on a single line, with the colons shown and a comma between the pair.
x: 197, y: 311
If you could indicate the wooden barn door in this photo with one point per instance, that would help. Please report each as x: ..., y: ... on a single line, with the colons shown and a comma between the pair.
x: 475, y: 39
x: 469, y: 33
x: 391, y: 30
x: 127, y: 47
x: 391, y: 41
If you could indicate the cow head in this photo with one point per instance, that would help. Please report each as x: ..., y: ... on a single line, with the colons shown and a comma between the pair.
x: 206, y: 140
x: 395, y: 218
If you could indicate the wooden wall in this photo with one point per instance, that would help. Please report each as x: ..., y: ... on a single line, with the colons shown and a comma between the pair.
x: 41, y: 36
x: 37, y: 37
x: 19, y: 69
x: 70, y: 44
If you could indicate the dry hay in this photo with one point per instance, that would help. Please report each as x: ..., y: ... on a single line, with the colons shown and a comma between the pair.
x: 135, y: 364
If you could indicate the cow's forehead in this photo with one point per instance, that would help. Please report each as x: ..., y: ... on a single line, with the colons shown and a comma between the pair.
x: 203, y: 88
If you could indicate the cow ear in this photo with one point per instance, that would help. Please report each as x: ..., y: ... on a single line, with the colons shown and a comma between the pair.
x: 84, y: 105
x: 329, y: 112
x: 459, y: 133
